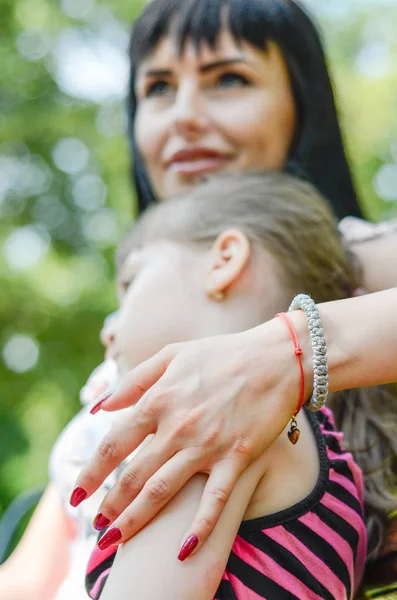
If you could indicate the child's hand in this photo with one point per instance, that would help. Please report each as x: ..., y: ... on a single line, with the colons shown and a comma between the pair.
x: 213, y: 405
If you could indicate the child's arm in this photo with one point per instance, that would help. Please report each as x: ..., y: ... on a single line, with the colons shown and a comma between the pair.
x: 147, y: 567
x: 378, y: 261
x: 40, y: 562
x: 375, y: 247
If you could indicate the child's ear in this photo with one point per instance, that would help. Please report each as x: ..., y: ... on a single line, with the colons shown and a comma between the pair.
x: 228, y: 257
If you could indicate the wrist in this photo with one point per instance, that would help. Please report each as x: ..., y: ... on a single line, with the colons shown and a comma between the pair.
x: 274, y: 343
x: 340, y: 350
x: 299, y: 321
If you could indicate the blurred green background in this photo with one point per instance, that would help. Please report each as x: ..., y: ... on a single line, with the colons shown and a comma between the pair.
x: 65, y: 195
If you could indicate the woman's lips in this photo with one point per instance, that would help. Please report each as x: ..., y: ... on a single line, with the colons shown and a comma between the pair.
x: 197, y: 161
x: 198, y: 167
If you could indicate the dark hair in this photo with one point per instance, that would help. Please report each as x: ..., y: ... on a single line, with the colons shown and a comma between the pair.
x: 317, y: 153
x: 291, y: 220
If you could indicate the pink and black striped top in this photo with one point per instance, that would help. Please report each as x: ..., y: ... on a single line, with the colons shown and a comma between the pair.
x: 311, y: 551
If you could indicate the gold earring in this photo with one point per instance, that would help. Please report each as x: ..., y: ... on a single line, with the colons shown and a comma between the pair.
x: 218, y: 296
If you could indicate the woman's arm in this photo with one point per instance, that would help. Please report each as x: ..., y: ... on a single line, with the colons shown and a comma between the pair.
x: 40, y: 562
x: 361, y: 335
x: 217, y: 404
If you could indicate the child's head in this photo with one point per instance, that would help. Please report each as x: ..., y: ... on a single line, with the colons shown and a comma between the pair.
x: 229, y: 256
x: 223, y: 259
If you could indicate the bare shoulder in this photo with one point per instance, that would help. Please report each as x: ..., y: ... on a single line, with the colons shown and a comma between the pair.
x: 290, y: 473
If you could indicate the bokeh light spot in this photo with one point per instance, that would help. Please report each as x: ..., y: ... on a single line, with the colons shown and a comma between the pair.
x: 89, y: 192
x: 385, y: 183
x: 90, y: 67
x: 49, y: 211
x: 102, y: 227
x: 374, y: 60
x: 77, y: 9
x: 21, y: 353
x: 33, y: 44
x: 70, y: 155
x: 33, y: 13
x: 111, y: 119
x: 26, y: 176
x: 25, y: 247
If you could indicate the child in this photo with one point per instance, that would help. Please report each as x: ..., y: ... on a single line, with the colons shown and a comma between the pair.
x: 222, y: 260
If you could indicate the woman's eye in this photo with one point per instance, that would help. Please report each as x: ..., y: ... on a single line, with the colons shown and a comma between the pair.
x: 158, y: 88
x: 232, y: 80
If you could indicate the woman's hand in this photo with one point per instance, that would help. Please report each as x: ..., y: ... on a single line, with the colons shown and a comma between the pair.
x: 213, y: 405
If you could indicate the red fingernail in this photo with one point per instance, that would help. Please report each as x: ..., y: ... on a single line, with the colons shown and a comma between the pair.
x: 100, y: 522
x: 97, y: 407
x: 188, y: 547
x: 111, y: 537
x: 77, y: 497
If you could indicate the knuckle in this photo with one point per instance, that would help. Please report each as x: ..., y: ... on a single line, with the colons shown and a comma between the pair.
x: 153, y: 405
x: 157, y: 491
x: 129, y: 482
x: 144, y: 414
x: 205, y: 525
x: 185, y: 424
x: 220, y: 496
x: 88, y: 481
x: 129, y: 523
x: 242, y: 449
x: 180, y: 428
x: 108, y: 449
x: 212, y: 440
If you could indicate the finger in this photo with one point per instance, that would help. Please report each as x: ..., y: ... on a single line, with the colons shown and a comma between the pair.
x: 147, y: 461
x: 115, y: 447
x: 138, y: 381
x: 156, y: 493
x: 215, y: 496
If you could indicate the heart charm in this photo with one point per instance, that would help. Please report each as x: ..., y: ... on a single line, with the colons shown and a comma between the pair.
x: 293, y: 435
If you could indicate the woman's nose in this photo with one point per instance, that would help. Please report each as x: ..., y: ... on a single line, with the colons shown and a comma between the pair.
x: 190, y: 117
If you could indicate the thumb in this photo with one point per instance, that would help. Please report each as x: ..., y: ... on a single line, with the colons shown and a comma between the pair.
x: 137, y: 382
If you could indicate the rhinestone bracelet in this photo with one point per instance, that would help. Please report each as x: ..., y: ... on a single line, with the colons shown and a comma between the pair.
x: 319, y: 347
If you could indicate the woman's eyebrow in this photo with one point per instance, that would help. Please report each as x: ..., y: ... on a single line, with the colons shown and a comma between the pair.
x: 157, y: 73
x: 203, y: 68
x: 221, y: 63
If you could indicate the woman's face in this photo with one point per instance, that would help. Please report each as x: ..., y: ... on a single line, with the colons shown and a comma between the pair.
x: 229, y: 109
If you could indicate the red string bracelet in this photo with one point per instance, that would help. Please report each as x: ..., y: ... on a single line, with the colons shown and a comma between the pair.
x: 294, y: 432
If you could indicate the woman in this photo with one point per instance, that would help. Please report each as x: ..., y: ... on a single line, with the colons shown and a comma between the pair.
x: 208, y: 94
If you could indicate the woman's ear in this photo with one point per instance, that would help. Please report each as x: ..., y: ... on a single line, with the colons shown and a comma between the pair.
x: 228, y: 257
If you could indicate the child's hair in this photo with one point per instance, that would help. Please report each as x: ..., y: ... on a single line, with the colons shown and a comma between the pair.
x: 290, y: 219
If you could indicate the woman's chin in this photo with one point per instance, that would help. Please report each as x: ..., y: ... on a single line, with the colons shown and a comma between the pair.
x: 178, y: 184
